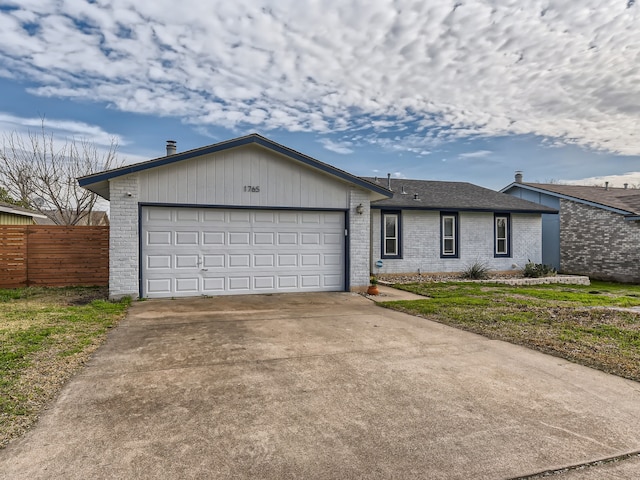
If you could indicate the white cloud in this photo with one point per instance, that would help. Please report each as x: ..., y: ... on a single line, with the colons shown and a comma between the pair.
x: 476, y: 154
x: 343, y: 148
x: 59, y: 128
x: 632, y: 179
x: 423, y: 70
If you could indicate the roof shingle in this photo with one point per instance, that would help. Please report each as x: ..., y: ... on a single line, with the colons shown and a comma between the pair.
x: 436, y: 195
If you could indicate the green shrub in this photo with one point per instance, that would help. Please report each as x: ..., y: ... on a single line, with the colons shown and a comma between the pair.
x: 477, y: 271
x: 537, y: 270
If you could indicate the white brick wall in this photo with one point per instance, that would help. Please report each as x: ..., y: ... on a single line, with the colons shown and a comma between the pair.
x: 421, y: 242
x: 123, y: 237
x: 359, y: 235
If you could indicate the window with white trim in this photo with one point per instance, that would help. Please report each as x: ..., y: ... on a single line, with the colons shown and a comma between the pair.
x: 449, y: 235
x: 502, y: 243
x: 391, y: 222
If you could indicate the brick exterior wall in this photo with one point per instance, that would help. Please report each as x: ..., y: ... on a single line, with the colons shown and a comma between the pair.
x: 123, y: 237
x: 359, y: 235
x: 598, y: 243
x: 421, y: 243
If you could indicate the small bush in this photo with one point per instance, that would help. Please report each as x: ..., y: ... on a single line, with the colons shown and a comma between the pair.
x: 477, y: 271
x: 537, y: 270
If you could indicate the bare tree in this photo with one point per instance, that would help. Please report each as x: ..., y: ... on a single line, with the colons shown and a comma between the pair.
x: 42, y: 176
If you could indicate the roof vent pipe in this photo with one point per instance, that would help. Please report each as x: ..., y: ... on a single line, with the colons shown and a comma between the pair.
x: 606, y: 185
x: 416, y: 197
x: 518, y: 176
x: 404, y: 192
x: 626, y: 185
x: 171, y: 147
x: 388, y: 181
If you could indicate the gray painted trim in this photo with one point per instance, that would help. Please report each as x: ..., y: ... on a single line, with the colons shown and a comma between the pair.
x: 240, y: 207
x: 564, y: 197
x: 632, y: 218
x: 253, y: 138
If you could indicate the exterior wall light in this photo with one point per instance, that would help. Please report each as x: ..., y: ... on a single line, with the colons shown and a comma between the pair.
x: 360, y: 209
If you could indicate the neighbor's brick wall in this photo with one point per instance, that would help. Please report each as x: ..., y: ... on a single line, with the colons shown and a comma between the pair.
x: 598, y: 243
x: 123, y: 238
x: 421, y: 243
x: 359, y: 235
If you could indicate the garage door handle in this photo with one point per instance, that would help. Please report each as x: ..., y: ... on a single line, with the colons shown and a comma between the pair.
x: 204, y: 269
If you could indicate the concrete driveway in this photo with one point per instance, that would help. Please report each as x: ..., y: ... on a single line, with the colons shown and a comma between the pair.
x: 323, y: 386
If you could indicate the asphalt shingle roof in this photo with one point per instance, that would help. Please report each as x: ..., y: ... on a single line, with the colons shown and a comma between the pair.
x: 627, y: 199
x: 436, y: 195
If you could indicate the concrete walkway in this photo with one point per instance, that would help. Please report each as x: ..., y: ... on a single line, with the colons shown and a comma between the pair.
x: 323, y: 386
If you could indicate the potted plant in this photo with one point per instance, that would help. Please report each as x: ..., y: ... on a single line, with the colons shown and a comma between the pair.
x: 373, y: 287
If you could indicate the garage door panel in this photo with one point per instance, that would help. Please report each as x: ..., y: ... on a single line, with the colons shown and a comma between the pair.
x: 240, y: 283
x: 187, y: 238
x: 158, y: 238
x: 187, y: 285
x: 213, y: 238
x: 202, y: 251
x: 264, y: 282
x: 213, y: 261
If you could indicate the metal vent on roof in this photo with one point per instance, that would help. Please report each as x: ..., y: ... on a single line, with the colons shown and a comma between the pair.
x: 404, y: 192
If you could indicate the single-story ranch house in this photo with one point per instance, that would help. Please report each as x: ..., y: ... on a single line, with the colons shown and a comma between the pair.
x: 249, y: 215
x: 595, y: 233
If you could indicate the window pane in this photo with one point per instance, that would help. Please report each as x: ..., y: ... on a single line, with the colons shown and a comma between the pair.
x: 390, y: 247
x: 502, y: 246
x: 448, y: 227
x: 390, y: 226
x: 501, y: 227
x: 448, y: 246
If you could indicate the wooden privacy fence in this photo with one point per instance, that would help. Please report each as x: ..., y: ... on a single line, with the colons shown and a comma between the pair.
x: 53, y: 256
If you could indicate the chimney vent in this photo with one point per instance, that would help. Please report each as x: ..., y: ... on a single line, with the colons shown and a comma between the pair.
x: 171, y: 147
x: 388, y: 181
x: 626, y: 185
x: 518, y: 176
x: 606, y: 185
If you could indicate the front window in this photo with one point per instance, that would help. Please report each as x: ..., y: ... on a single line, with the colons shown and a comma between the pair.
x: 390, y: 234
x: 449, y: 235
x: 502, y: 239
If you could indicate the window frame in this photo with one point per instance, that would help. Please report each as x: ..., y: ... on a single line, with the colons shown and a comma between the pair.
x: 383, y: 233
x: 455, y: 237
x: 507, y: 237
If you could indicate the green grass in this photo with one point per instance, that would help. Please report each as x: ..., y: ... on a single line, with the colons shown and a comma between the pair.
x: 45, y: 335
x: 581, y: 323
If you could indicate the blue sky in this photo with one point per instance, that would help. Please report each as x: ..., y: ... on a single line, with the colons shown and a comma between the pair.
x: 429, y: 89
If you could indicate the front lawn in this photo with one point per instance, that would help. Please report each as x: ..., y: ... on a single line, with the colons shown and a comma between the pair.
x: 593, y: 325
x: 46, y: 334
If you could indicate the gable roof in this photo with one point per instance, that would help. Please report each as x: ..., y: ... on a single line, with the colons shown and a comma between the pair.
x: 625, y: 201
x: 23, y: 212
x: 99, y: 182
x: 436, y: 195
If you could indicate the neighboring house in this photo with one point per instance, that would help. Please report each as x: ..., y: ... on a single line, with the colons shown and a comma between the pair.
x: 432, y: 226
x: 12, y: 215
x: 595, y: 233
x: 95, y: 218
x: 243, y: 216
x: 252, y: 216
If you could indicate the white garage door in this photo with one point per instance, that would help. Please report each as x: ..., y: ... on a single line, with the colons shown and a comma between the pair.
x: 207, y: 251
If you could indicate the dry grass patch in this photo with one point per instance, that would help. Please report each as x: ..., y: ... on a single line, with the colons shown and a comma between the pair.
x: 45, y: 336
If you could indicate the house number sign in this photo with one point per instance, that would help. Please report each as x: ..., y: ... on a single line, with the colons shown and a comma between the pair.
x: 252, y: 188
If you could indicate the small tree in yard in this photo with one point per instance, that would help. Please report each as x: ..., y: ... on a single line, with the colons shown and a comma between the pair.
x: 42, y: 176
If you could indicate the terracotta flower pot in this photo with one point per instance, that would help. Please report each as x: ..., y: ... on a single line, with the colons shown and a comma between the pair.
x: 373, y: 290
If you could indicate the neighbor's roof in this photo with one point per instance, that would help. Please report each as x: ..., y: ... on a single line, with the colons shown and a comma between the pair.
x: 435, y: 195
x: 99, y: 182
x: 625, y: 200
x: 25, y: 212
